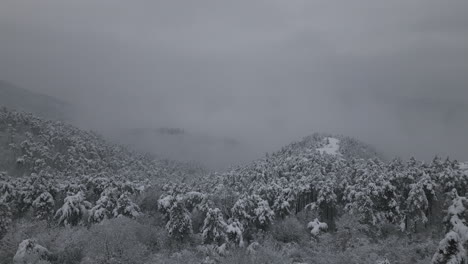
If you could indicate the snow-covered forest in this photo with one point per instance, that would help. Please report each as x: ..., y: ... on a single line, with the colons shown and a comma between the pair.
x: 70, y: 196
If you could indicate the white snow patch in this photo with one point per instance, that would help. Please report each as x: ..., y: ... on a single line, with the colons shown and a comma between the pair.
x: 316, y: 227
x: 464, y: 166
x: 332, y: 148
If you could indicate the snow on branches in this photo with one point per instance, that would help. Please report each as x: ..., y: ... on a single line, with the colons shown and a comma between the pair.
x: 316, y: 227
x: 214, y: 227
x: 72, y: 211
x: 451, y: 248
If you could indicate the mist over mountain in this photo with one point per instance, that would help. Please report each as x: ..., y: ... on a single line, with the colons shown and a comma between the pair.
x: 247, y: 131
x: 43, y: 105
x: 388, y: 73
x: 215, y: 152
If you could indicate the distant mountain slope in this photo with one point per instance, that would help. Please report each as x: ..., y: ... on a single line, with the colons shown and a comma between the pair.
x: 316, y: 156
x: 335, y: 145
x: 15, y: 97
x: 30, y: 144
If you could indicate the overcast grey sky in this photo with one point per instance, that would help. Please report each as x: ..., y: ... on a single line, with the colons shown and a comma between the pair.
x: 391, y: 73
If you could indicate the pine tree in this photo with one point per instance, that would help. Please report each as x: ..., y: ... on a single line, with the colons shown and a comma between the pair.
x: 73, y: 209
x: 417, y: 204
x: 214, y: 227
x: 234, y: 231
x: 263, y: 214
x: 450, y: 250
x: 179, y: 225
x: 101, y: 210
x: 104, y: 208
x: 326, y: 202
x: 165, y: 204
x: 126, y: 207
x: 282, y: 207
x: 243, y: 209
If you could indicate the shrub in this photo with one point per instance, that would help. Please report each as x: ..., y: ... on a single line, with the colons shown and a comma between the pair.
x: 288, y: 230
x: 29, y: 251
x: 265, y: 254
x: 115, y: 240
x: 71, y: 254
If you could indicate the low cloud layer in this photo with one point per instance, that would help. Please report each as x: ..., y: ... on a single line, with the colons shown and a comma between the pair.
x: 391, y: 73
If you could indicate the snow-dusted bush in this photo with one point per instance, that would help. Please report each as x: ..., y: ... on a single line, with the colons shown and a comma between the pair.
x: 44, y: 206
x: 288, y: 230
x: 214, y: 227
x: 316, y: 227
x: 29, y: 252
x: 75, y: 207
x: 253, y: 247
x: 115, y: 241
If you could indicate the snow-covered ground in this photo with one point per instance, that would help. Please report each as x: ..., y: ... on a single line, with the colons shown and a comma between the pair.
x: 332, y: 148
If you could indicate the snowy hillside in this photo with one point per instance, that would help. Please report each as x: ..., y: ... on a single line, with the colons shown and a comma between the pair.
x: 335, y: 145
x: 323, y: 198
x: 30, y: 144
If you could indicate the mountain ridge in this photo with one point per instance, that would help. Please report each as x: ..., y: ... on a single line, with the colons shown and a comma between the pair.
x: 18, y: 98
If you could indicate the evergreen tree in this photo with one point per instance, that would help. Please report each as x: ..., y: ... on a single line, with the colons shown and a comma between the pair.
x: 126, y: 207
x: 234, y: 231
x: 214, y: 227
x: 263, y: 215
x: 73, y: 209
x: 450, y: 250
x: 179, y: 225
